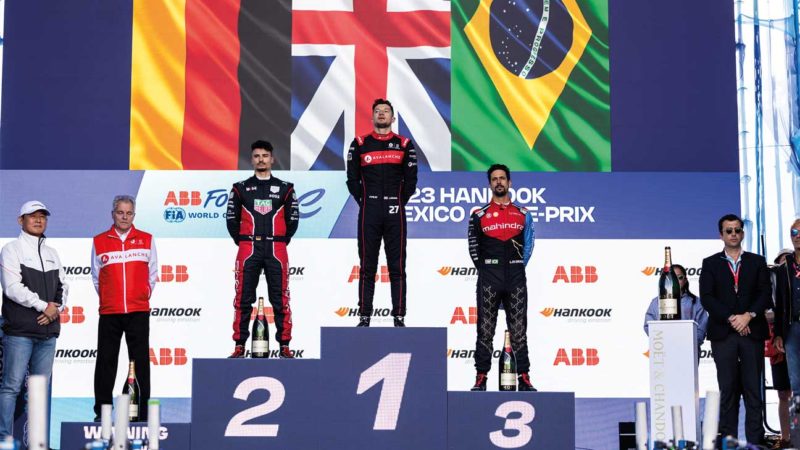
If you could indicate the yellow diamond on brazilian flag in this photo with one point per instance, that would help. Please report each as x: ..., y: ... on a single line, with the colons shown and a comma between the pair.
x: 529, y: 49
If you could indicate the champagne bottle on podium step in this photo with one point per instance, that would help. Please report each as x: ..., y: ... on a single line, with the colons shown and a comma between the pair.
x: 507, y: 366
x: 132, y: 389
x: 669, y: 290
x: 260, y: 334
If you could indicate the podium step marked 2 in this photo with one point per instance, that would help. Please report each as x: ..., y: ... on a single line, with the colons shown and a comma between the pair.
x: 372, y: 388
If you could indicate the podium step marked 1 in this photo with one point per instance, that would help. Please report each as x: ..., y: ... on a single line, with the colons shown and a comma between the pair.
x: 372, y: 388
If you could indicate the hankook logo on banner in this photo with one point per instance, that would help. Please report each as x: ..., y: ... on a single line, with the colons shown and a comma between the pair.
x: 578, y: 314
x: 656, y: 271
x: 72, y: 314
x: 579, y: 357
x: 353, y: 312
x: 467, y: 356
x: 74, y: 273
x: 575, y: 274
x: 75, y: 355
x: 467, y: 273
x: 382, y: 276
x: 176, y: 314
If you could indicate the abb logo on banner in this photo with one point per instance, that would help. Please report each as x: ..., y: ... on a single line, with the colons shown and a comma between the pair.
x: 168, y: 357
x: 183, y: 198
x: 577, y: 274
x: 382, y: 277
x: 269, y: 313
x: 72, y: 315
x: 580, y: 357
x: 178, y: 274
x: 459, y: 316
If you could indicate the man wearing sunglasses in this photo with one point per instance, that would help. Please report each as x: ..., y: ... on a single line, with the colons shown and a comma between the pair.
x: 787, y: 308
x: 735, y: 289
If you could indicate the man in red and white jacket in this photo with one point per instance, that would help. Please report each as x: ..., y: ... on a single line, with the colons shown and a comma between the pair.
x: 124, y: 271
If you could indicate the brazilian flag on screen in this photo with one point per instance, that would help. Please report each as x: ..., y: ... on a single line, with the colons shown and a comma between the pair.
x: 530, y: 85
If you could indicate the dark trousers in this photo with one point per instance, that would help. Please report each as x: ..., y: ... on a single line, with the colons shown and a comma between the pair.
x: 272, y: 259
x: 740, y: 365
x: 136, y: 327
x: 382, y: 220
x: 515, y: 302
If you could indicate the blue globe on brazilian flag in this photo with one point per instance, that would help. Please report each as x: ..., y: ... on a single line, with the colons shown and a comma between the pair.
x: 530, y: 85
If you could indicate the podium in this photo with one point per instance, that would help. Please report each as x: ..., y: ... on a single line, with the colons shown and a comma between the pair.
x: 673, y: 378
x: 372, y: 388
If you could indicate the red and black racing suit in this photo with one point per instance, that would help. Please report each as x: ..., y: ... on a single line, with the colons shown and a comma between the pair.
x: 501, y: 239
x: 262, y: 217
x: 381, y: 177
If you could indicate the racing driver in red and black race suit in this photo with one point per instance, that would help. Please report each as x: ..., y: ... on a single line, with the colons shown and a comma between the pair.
x: 381, y: 177
x: 501, y: 238
x: 262, y: 217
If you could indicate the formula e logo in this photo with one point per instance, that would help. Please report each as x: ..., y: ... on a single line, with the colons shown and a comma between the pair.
x: 174, y: 215
x: 262, y: 207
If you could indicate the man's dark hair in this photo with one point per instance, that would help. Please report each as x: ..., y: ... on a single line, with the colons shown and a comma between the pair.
x: 494, y: 167
x: 729, y: 217
x: 382, y: 101
x: 265, y: 145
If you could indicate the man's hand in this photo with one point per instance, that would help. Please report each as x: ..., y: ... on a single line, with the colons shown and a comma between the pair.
x: 49, y: 315
x: 745, y: 332
x: 778, y: 343
x: 739, y: 322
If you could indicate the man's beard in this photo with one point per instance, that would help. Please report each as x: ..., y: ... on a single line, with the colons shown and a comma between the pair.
x: 500, y: 191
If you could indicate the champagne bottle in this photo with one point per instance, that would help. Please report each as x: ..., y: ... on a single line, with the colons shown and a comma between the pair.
x: 132, y: 389
x: 260, y: 334
x: 669, y: 290
x: 508, y: 366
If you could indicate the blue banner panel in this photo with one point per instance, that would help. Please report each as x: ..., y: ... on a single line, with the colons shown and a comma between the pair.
x: 80, y: 202
x: 673, y: 86
x: 255, y: 403
x: 527, y: 420
x: 66, y: 84
x: 74, y: 435
x: 389, y: 388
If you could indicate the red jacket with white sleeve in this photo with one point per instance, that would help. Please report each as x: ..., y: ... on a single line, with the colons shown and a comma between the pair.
x: 124, y: 271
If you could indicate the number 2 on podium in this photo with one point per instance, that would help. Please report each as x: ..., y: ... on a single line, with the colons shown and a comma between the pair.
x: 392, y: 370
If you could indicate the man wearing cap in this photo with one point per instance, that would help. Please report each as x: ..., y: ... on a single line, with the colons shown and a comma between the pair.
x: 787, y: 308
x: 34, y: 293
x: 124, y: 271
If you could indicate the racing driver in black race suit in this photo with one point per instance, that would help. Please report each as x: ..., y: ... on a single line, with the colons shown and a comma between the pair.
x: 501, y: 240
x: 381, y: 177
x: 262, y: 217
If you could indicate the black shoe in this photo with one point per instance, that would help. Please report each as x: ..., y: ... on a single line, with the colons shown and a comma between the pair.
x: 480, y: 382
x: 97, y: 419
x: 285, y: 353
x: 238, y: 352
x: 363, y: 321
x: 399, y: 321
x: 524, y: 383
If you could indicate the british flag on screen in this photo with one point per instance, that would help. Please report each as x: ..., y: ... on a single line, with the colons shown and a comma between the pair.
x: 346, y: 53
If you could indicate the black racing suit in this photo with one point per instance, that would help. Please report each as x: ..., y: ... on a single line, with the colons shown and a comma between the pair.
x: 501, y: 239
x: 262, y: 217
x: 381, y: 177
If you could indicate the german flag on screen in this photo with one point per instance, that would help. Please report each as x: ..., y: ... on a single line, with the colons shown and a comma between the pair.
x: 204, y: 84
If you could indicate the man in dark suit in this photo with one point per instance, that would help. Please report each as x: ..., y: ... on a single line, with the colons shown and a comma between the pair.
x: 735, y: 290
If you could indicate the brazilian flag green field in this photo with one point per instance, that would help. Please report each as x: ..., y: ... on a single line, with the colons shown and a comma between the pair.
x: 530, y: 85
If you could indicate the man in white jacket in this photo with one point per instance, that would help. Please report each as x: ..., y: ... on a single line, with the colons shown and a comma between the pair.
x: 34, y: 292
